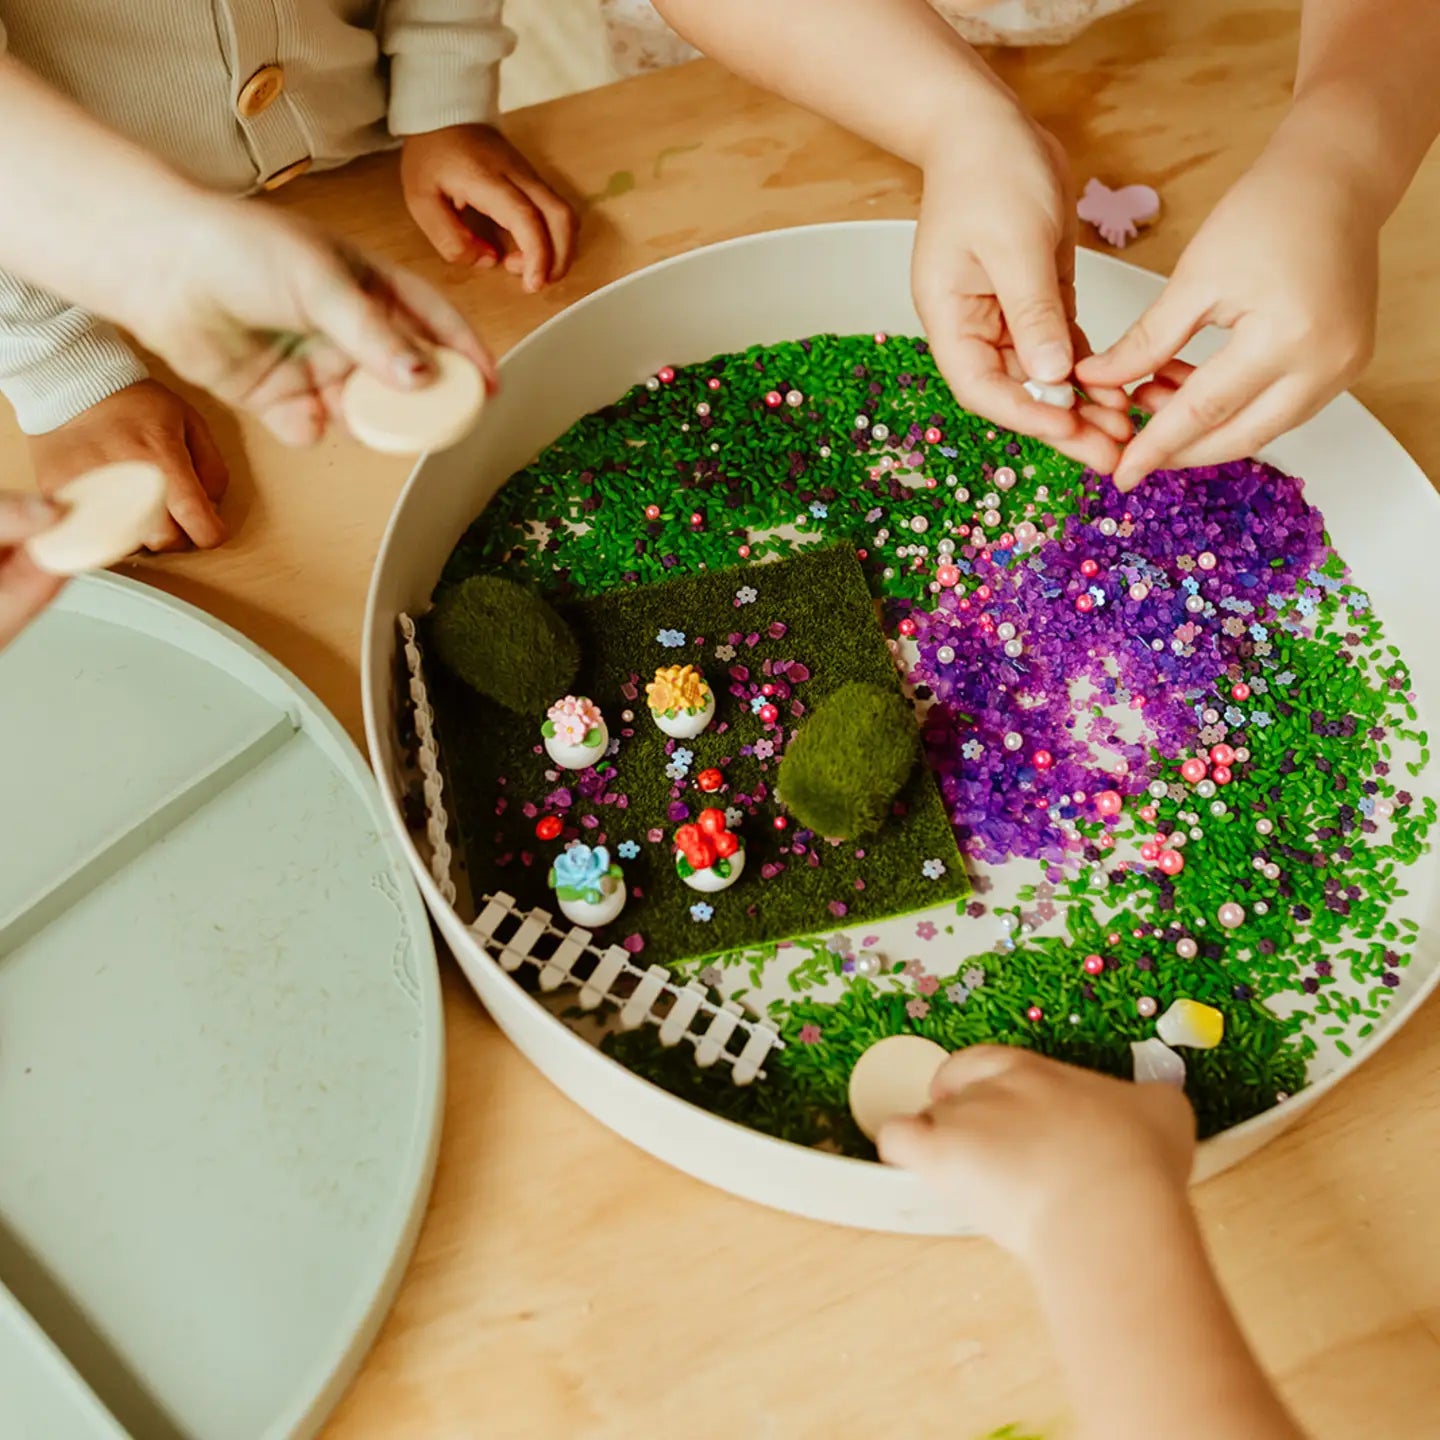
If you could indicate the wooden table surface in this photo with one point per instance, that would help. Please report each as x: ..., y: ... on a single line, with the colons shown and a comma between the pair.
x: 567, y: 1287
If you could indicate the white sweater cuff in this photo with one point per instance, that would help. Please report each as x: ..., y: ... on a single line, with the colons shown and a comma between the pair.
x: 90, y: 367
x: 429, y: 91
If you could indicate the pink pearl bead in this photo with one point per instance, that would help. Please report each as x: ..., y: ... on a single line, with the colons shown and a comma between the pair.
x: 984, y: 593
x: 1193, y: 771
x: 881, y: 337
x: 931, y: 482
x: 1186, y: 949
x: 713, y: 383
x: 1171, y: 862
x: 1034, y: 1014
x: 1150, y: 851
x: 947, y: 575
x: 697, y: 519
x: 1231, y: 915
x: 1221, y: 775
x: 1094, y: 965
x: 1139, y: 590
x: 1148, y: 814
x: 1146, y: 1006
x: 1205, y: 560
x: 1084, y: 603
x: 933, y: 436
x: 665, y: 374
x: 1004, y: 477
x: 744, y: 552
x: 1025, y: 531
x: 1089, y: 569
x: 768, y: 714
x: 652, y: 512
x: 1108, y: 802
x: 1113, y: 938
x: 906, y: 626
x: 1222, y: 755
x: 1105, y: 842
x: 774, y: 398
x: 1240, y: 692
x: 1042, y: 759
x: 767, y: 689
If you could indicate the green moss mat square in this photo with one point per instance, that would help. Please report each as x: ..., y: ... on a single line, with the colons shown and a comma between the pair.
x: 810, y: 625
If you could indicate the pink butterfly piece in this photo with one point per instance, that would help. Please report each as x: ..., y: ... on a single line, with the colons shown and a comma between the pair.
x: 1118, y: 214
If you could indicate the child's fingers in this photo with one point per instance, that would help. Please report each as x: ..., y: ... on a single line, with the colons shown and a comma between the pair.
x: 25, y: 590
x: 441, y: 321
x: 1152, y: 341
x: 974, y: 1064
x: 22, y: 516
x: 513, y: 210
x: 1027, y: 285
x: 560, y: 221
x: 442, y: 226
x: 210, y: 465
x: 908, y: 1143
x: 346, y: 301
x: 1213, y: 394
x: 1278, y: 408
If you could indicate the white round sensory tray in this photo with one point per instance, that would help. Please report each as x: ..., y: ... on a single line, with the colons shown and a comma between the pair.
x: 845, y: 278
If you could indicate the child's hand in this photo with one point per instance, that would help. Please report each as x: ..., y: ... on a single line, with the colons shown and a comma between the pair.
x: 1288, y: 262
x: 994, y: 282
x: 272, y: 315
x: 1028, y: 1145
x: 465, y: 168
x: 145, y: 421
x: 25, y: 589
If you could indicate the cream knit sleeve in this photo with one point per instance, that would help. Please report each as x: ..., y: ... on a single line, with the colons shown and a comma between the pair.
x: 444, y: 61
x: 56, y: 360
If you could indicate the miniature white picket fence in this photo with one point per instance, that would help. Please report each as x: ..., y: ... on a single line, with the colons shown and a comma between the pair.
x: 720, y: 1034
x: 650, y: 995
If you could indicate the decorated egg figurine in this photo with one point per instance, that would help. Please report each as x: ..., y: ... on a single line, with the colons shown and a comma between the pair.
x: 681, y: 702
x: 574, y: 732
x: 708, y: 855
x: 589, y: 887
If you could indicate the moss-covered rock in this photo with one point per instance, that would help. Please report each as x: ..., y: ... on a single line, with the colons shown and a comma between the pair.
x: 504, y: 641
x: 850, y: 760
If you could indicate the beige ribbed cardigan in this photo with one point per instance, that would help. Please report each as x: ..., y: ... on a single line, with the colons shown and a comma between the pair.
x: 168, y: 73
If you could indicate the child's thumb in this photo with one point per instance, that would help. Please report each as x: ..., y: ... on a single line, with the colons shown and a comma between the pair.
x: 1027, y: 285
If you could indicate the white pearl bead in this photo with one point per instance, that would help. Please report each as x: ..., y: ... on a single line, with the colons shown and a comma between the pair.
x: 652, y: 383
x: 1178, y: 840
x: 867, y: 963
x: 1014, y: 740
x: 1262, y: 907
x: 880, y: 432
x: 962, y: 494
x: 1264, y: 826
x: 1194, y: 604
x: 1206, y: 560
x: 824, y: 452
x: 990, y: 501
x: 1146, y: 1006
x: 861, y: 421
x: 945, y: 655
x: 1014, y: 649
x: 1157, y: 789
x: 1211, y: 717
x: 1005, y: 630
x: 919, y: 524
x: 1196, y: 833
x: 1108, y: 526
x: 1218, y: 807
x: 1205, y: 789
x: 702, y: 409
x: 1042, y: 492
x: 794, y: 397
x: 991, y: 517
x: 1272, y: 871
x: 946, y: 547
x: 1186, y: 949
x: 1242, y: 754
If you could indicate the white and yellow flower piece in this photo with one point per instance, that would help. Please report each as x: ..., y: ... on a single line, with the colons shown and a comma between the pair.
x: 681, y: 702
